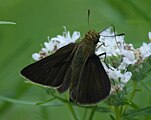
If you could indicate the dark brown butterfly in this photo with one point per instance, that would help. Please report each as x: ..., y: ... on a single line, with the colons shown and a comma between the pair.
x: 75, y: 67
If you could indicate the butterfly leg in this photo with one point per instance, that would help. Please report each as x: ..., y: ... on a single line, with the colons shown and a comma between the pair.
x: 100, y: 45
x: 105, y: 60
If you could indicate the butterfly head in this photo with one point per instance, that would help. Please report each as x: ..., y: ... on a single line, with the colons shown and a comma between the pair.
x: 92, y: 36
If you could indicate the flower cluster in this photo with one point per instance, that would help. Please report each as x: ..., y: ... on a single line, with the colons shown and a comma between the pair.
x: 55, y: 43
x: 115, y: 46
x: 110, y: 43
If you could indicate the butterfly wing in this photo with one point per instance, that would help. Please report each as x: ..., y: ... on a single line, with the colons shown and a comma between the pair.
x: 53, y: 70
x: 94, y: 84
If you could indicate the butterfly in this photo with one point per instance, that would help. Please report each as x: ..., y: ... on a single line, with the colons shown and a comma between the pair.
x: 74, y: 67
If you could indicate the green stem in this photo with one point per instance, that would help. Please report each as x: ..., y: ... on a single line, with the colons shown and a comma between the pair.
x: 92, y: 113
x: 45, y: 101
x: 59, y: 98
x: 85, y: 113
x: 117, y: 112
x: 72, y: 111
x: 132, y: 94
x: 69, y: 105
x: 134, y: 89
x: 45, y: 113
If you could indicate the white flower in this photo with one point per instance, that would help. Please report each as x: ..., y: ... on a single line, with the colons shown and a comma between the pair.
x: 116, y: 88
x: 145, y: 50
x: 126, y: 77
x: 50, y: 45
x: 112, y: 44
x: 55, y: 43
x: 129, y: 56
x: 113, y: 73
x: 36, y: 56
x: 120, y: 84
x: 109, y: 46
x: 66, y: 38
x: 149, y: 35
x: 119, y: 79
x: 108, y: 32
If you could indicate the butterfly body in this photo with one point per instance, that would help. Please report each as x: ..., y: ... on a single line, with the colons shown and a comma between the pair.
x: 84, y: 50
x: 75, y: 67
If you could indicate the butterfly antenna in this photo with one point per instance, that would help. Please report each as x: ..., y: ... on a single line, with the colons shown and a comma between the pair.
x: 89, y: 19
x: 121, y: 34
x: 115, y: 37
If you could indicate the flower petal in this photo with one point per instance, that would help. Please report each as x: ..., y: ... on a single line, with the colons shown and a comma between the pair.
x: 126, y: 77
x: 36, y: 56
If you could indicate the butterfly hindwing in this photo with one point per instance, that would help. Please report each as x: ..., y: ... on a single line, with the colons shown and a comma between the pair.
x: 94, y: 84
x: 51, y: 71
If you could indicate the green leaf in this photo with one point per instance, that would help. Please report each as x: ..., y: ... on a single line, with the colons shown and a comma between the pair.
x: 45, y: 101
x: 133, y: 105
x: 112, y: 117
x: 103, y: 109
x: 29, y: 103
x: 141, y: 71
x: 138, y: 112
x: 6, y: 22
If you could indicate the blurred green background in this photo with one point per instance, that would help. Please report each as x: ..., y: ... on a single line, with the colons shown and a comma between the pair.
x: 37, y: 19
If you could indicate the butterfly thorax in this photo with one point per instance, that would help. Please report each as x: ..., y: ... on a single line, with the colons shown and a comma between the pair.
x: 92, y: 36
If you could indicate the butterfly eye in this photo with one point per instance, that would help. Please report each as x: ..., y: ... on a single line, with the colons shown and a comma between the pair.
x: 96, y: 39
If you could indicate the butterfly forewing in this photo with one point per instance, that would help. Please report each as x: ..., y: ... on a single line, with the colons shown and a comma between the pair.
x: 66, y: 82
x: 94, y: 84
x: 53, y: 70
